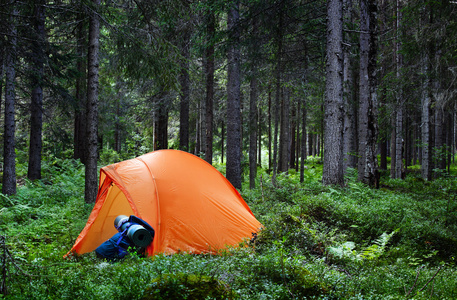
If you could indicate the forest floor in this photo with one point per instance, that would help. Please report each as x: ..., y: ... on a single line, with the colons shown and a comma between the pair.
x: 318, y: 242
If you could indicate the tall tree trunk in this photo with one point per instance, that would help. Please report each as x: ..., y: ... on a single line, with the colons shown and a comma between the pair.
x: 211, y: 28
x: 426, y: 142
x: 333, y: 134
x: 253, y: 130
x: 117, y: 123
x: 426, y: 163
x: 184, y: 94
x: 197, y: 129
x: 259, y: 135
x: 80, y: 93
x: 383, y: 143
x: 440, y: 114
x: 302, y: 107
x: 198, y: 125
x: 383, y: 154
x: 161, y: 111
x: 298, y: 137
x: 310, y: 143
x: 454, y: 147
x: 417, y: 156
x: 9, y: 139
x: 233, y: 165
x: 440, y: 134
x: 368, y: 166
x: 448, y: 137
x: 349, y: 133
x: 278, y: 71
x: 2, y: 62
x: 36, y: 113
x: 222, y: 140
x: 91, y: 182
x: 284, y: 141
x: 303, y: 141
x: 293, y: 138
x: 270, y: 156
x: 399, y: 144
x: 399, y: 139
x: 393, y: 146
x: 203, y: 126
x: 253, y: 111
x: 407, y: 141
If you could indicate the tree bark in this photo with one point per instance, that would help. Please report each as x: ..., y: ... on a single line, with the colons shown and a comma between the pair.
x: 198, y: 123
x: 253, y: 131
x: 310, y: 143
x: 440, y: 115
x: 449, y: 134
x: 36, y: 113
x: 270, y: 154
x: 233, y: 165
x: 222, y: 140
x: 426, y: 141
x: 368, y: 164
x: 91, y: 182
x: 383, y: 140
x: 440, y: 134
x: 9, y: 139
x: 254, y: 121
x: 333, y: 127
x: 293, y: 138
x: 276, y: 104
x: 298, y: 137
x: 118, y: 116
x: 426, y: 163
x: 259, y: 135
x: 284, y: 141
x: 393, y: 146
x: 303, y: 141
x: 2, y: 64
x: 161, y: 112
x: 350, y: 128
x: 399, y: 143
x: 211, y: 28
x: 184, y: 94
x: 80, y: 94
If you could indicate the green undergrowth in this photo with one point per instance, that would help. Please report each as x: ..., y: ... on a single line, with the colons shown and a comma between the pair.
x: 318, y: 242
x: 187, y: 286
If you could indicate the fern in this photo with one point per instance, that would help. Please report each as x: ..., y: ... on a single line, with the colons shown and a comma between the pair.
x: 379, y: 246
x: 346, y: 250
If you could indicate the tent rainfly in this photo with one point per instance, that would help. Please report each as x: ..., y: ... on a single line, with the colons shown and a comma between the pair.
x: 191, y: 206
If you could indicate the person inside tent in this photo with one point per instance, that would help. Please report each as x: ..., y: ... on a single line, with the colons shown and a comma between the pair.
x: 133, y: 236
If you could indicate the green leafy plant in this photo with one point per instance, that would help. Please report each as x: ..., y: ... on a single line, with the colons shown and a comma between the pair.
x: 347, y: 250
x: 303, y: 251
x: 187, y: 286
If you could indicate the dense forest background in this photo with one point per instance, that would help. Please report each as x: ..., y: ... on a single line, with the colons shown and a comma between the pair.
x: 255, y: 83
x: 335, y: 119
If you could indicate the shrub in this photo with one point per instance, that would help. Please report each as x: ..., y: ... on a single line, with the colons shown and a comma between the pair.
x: 187, y: 286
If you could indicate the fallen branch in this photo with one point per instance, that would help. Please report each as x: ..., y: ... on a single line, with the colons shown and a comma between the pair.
x: 433, y: 277
x: 415, y: 282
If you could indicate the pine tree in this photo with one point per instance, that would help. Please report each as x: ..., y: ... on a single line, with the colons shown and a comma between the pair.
x: 91, y: 184
x: 233, y: 164
x: 333, y: 130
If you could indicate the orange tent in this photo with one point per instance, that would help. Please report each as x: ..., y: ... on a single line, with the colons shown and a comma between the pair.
x: 191, y: 206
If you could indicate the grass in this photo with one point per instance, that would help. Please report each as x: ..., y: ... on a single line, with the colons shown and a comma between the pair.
x: 319, y: 242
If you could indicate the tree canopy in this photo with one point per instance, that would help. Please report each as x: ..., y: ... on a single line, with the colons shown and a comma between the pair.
x: 166, y: 74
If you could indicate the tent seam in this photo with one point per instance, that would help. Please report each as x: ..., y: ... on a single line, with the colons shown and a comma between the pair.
x: 159, y: 220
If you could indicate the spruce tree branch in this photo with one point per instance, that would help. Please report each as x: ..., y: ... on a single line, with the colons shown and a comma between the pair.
x: 356, y: 31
